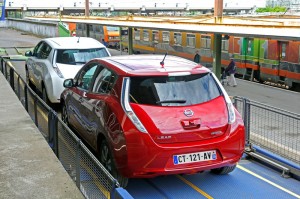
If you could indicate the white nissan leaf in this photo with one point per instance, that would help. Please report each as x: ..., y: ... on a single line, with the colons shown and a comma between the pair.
x: 55, y: 59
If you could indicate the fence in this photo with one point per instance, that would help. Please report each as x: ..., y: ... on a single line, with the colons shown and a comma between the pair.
x: 272, y: 129
x: 93, y: 180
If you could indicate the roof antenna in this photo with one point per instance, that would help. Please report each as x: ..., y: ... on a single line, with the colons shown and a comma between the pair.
x: 78, y: 40
x: 162, y: 63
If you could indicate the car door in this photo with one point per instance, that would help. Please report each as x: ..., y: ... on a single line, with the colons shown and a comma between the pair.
x: 40, y: 62
x: 96, y: 106
x: 31, y: 62
x: 78, y: 100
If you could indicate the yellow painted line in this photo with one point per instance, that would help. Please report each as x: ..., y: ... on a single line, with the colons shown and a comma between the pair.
x: 268, y: 181
x: 194, y: 187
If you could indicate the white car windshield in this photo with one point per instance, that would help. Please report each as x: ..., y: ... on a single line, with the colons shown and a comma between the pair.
x: 79, y: 56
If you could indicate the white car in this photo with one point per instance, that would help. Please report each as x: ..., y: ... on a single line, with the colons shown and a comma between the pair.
x: 55, y: 59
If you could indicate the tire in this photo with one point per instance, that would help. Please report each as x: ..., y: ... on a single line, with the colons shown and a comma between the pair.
x: 223, y: 170
x: 64, y: 114
x: 107, y: 161
x: 45, y: 96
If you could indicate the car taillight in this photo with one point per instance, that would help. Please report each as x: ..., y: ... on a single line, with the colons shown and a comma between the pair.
x: 56, y: 69
x: 231, y: 113
x: 230, y: 107
x: 127, y: 108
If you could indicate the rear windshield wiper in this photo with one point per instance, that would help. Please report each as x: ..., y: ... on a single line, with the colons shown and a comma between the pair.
x: 172, y: 101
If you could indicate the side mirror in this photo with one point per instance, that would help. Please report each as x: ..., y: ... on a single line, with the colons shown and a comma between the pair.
x: 69, y: 83
x: 28, y: 53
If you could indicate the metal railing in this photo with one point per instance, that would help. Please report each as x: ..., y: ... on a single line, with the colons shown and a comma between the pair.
x: 90, y: 176
x: 271, y: 128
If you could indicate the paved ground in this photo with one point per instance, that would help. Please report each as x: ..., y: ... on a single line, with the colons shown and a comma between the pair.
x: 28, y: 167
x: 16, y: 39
x: 273, y: 96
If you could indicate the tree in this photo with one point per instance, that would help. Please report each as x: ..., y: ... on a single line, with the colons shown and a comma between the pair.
x: 271, y: 9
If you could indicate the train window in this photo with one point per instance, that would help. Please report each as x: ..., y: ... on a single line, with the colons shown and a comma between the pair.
x: 225, y: 44
x: 137, y: 34
x: 146, y: 35
x: 249, y: 47
x: 177, y: 39
x: 283, y: 50
x: 112, y: 28
x: 155, y: 36
x: 166, y: 37
x: 97, y: 28
x: 190, y: 40
x: 205, y: 41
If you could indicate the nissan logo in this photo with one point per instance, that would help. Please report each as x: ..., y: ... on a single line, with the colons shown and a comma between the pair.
x: 188, y: 113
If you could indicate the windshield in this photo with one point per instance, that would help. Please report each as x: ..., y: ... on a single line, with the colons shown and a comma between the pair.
x: 173, y: 90
x: 79, y: 56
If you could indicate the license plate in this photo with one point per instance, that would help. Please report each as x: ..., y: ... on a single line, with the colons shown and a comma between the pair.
x: 195, y: 157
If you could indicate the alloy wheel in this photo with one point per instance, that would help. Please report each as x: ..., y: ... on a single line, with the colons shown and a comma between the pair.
x: 105, y: 158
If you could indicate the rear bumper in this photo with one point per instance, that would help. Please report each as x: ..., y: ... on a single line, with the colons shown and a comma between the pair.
x: 145, y: 158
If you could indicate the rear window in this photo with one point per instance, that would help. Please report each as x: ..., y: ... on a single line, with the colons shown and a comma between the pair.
x: 173, y: 90
x: 79, y: 56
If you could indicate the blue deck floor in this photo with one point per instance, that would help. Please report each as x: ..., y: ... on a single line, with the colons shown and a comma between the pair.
x: 249, y: 180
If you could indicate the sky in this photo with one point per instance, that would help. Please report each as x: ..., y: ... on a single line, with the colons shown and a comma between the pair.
x: 128, y: 3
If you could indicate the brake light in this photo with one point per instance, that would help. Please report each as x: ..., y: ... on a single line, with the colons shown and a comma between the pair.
x: 230, y: 107
x: 127, y: 108
x: 231, y: 113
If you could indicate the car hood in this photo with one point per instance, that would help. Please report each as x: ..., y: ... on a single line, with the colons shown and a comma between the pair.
x: 69, y: 71
x: 172, y: 125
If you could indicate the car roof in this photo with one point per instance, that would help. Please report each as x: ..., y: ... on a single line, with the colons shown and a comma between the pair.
x: 151, y: 64
x: 73, y: 43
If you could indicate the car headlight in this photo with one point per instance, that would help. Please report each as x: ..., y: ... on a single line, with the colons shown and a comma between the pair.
x: 56, y: 69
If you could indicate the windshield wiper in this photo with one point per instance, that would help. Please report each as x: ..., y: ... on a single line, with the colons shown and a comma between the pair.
x: 172, y: 101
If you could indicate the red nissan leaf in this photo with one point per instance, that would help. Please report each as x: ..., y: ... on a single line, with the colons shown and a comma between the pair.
x: 151, y: 115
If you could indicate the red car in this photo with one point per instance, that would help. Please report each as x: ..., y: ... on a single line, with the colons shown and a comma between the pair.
x: 151, y: 115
